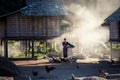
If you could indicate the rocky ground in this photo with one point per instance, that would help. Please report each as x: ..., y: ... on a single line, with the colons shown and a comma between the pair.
x: 83, y: 70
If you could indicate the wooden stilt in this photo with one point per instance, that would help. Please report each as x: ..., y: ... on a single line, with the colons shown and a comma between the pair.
x: 1, y: 48
x: 33, y: 49
x: 26, y: 51
x: 6, y: 48
x: 29, y: 48
x: 111, y: 51
x: 46, y: 47
x: 0, y: 42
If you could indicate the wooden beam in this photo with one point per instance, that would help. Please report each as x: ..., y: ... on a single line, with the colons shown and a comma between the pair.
x: 33, y: 48
x: 1, y: 53
x: 6, y: 48
x: 29, y: 48
x: 46, y: 46
x: 111, y: 51
x: 26, y: 51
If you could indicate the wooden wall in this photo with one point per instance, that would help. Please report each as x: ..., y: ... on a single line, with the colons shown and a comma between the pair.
x: 2, y: 28
x: 26, y: 26
x: 114, y: 31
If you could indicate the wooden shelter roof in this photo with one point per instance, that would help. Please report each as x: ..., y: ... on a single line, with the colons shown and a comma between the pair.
x: 9, y: 6
x: 41, y: 8
x: 115, y: 16
x: 44, y: 8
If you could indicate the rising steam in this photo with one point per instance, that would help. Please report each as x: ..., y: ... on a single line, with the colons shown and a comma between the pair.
x: 88, y: 15
x: 88, y: 31
x: 86, y: 19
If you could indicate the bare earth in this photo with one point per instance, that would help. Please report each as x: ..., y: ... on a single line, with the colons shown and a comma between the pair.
x: 87, y: 68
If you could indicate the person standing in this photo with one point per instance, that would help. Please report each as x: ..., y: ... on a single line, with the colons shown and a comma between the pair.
x: 66, y: 45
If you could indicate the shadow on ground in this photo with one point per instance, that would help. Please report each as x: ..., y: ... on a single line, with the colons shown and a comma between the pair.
x: 63, y: 71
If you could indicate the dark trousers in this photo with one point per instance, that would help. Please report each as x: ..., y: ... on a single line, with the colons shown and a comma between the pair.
x: 65, y: 52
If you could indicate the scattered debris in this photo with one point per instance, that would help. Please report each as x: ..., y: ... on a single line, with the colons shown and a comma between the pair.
x: 73, y: 77
x: 103, y: 73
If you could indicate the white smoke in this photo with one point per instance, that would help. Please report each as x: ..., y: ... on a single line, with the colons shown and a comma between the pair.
x: 14, y: 50
x: 88, y: 31
x: 87, y: 19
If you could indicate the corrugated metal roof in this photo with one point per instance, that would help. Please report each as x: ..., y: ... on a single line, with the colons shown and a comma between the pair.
x: 115, y: 16
x: 44, y: 8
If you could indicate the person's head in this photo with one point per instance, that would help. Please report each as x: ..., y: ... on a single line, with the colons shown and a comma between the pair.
x: 64, y: 39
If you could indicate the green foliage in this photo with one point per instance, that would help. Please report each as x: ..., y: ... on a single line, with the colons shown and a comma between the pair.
x: 65, y: 25
x: 11, y: 41
x: 115, y: 46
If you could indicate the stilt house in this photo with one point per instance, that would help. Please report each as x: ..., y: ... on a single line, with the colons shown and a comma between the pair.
x: 113, y: 21
x: 38, y: 20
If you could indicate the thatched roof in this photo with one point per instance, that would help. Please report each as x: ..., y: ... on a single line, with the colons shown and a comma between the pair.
x: 44, y: 8
x: 115, y: 16
x: 41, y: 8
x: 8, y: 6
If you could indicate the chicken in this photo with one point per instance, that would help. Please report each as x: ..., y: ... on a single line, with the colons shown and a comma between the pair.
x: 56, y: 60
x: 72, y: 60
x: 77, y: 66
x: 35, y: 72
x: 103, y: 73
x: 50, y: 59
x: 48, y: 68
x: 113, y: 61
x: 64, y: 59
x: 74, y: 78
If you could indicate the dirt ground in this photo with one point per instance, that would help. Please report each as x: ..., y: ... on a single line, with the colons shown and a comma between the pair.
x: 40, y: 61
x: 83, y: 69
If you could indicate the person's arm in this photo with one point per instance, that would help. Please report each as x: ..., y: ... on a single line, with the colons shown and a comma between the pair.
x: 70, y: 45
x: 62, y: 43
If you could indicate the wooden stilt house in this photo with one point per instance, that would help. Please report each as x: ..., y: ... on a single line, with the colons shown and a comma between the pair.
x: 38, y: 20
x: 113, y: 21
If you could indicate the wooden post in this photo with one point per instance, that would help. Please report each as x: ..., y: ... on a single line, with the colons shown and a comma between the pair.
x: 5, y: 40
x: 26, y: 51
x: 1, y: 48
x: 46, y: 47
x: 29, y: 48
x: 6, y: 48
x: 32, y: 48
x: 111, y: 51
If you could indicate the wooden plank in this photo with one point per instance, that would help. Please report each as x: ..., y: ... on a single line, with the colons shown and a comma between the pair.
x: 26, y: 26
x: 2, y: 28
x: 54, y: 28
x: 30, y: 27
x: 12, y: 25
x: 114, y: 32
x: 33, y: 48
x: 42, y: 28
x: 6, y: 48
x: 111, y: 51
